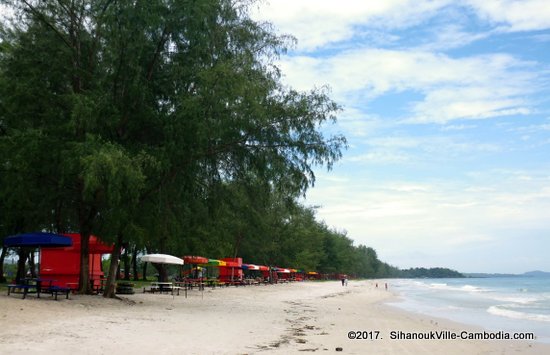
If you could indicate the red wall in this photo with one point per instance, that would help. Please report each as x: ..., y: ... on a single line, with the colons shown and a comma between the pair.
x: 63, y: 264
x: 235, y: 270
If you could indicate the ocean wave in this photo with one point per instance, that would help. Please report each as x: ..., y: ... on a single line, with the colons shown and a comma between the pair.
x: 499, y: 311
x: 471, y: 288
x: 518, y: 299
x: 464, y: 288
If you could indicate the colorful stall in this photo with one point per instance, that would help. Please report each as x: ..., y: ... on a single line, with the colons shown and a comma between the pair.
x: 231, y: 272
x: 63, y: 264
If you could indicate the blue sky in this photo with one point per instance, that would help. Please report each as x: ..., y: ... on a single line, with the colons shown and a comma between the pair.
x: 447, y: 115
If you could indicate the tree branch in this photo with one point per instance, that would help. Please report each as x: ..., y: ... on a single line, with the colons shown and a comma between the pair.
x: 47, y: 23
x: 162, y: 41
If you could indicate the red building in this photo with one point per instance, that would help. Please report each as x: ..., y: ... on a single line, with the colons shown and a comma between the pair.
x: 63, y: 264
x: 232, y: 270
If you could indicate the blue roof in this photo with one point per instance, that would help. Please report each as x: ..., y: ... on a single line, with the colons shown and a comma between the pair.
x: 38, y: 240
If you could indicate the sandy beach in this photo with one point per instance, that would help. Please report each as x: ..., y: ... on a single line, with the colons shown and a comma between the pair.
x: 291, y: 318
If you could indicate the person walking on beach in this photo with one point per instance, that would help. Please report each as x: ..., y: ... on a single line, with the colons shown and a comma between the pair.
x: 343, y: 280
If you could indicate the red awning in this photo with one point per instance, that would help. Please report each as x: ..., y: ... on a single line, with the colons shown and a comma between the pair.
x: 193, y: 259
x: 96, y: 245
x: 232, y: 264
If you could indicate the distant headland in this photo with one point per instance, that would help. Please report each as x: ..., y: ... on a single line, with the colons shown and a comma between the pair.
x: 535, y: 273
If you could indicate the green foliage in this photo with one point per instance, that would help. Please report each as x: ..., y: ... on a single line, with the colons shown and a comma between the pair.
x: 166, y: 123
x: 436, y: 272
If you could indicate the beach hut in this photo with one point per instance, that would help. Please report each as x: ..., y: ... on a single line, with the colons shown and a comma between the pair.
x: 266, y: 273
x: 313, y: 275
x: 232, y: 271
x: 63, y: 264
x: 211, y: 267
x: 29, y: 241
x: 194, y: 271
x: 283, y: 274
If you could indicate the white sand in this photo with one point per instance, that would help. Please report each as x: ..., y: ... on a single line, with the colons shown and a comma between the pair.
x: 292, y: 318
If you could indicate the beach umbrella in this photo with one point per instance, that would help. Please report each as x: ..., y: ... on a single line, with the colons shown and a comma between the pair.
x: 37, y: 240
x: 232, y: 264
x: 250, y: 267
x: 162, y: 259
x: 214, y: 262
x: 192, y: 259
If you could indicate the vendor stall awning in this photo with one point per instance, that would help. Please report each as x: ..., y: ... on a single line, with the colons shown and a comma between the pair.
x: 162, y: 259
x: 193, y: 259
x: 250, y: 267
x: 284, y: 271
x: 38, y: 240
x: 214, y: 262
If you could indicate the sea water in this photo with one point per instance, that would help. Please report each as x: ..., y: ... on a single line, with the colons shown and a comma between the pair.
x: 509, y: 304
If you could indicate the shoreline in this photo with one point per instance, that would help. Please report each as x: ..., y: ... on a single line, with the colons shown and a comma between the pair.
x: 284, y: 318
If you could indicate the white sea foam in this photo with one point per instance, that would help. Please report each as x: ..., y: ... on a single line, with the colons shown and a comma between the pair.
x: 471, y: 288
x: 464, y: 288
x: 499, y: 311
x: 520, y: 300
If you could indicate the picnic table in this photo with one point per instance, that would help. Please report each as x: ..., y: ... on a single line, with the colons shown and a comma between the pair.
x: 188, y: 284
x: 98, y: 284
x: 38, y: 285
x: 23, y: 287
x: 161, y: 287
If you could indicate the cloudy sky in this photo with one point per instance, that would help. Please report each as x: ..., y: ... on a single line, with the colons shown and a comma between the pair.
x: 447, y: 115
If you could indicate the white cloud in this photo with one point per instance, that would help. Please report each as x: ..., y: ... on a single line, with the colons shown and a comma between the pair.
x: 320, y: 22
x: 414, y: 150
x: 397, y: 64
x: 474, y: 87
x: 380, y: 156
x: 451, y: 36
x: 514, y: 15
x: 396, y: 217
x: 444, y: 105
x: 459, y: 127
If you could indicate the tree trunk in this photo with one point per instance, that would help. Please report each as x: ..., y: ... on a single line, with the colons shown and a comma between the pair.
x: 118, y: 268
x: 144, y: 274
x: 110, y: 286
x: 126, y: 264
x: 32, y: 265
x: 21, y: 263
x: 134, y: 263
x: 86, y: 216
x: 2, y: 258
x: 84, y: 280
x: 238, y: 240
x: 161, y: 269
